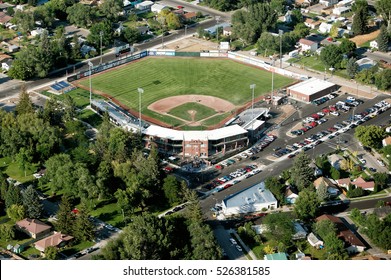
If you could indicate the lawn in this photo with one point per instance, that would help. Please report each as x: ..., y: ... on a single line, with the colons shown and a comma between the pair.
x: 12, y: 170
x: 165, y: 77
x: 182, y: 111
x: 91, y: 117
x: 312, y: 62
x: 108, y: 212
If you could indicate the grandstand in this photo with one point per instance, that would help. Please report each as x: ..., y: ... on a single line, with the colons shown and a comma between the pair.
x: 61, y: 87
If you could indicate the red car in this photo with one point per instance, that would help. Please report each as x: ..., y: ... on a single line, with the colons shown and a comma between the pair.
x: 315, y: 116
x: 227, y: 186
x: 219, y: 166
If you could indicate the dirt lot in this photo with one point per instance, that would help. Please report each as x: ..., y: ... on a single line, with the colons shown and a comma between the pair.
x: 361, y: 39
x: 192, y: 44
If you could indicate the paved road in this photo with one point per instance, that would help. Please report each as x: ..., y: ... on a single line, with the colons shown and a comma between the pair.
x: 274, y: 168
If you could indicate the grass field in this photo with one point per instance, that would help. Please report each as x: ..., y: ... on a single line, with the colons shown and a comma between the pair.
x: 165, y: 77
x: 182, y: 111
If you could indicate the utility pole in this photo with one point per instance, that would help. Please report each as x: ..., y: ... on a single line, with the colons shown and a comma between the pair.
x: 185, y: 30
x: 140, y: 91
x: 217, y: 29
x: 90, y: 65
x: 280, y: 32
x: 101, y: 34
x: 252, y: 87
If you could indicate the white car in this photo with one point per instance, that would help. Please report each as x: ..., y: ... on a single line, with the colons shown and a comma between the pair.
x: 239, y: 248
x: 233, y: 241
x: 243, y: 155
x: 351, y: 98
x: 380, y: 162
x: 334, y: 113
x: 363, y: 161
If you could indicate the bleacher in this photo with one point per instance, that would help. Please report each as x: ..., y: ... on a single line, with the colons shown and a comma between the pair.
x: 62, y: 87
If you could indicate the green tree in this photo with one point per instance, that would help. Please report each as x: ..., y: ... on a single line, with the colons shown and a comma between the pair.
x: 51, y: 253
x: 25, y: 105
x: 383, y: 8
x: 13, y: 196
x: 83, y: 228
x: 3, y: 185
x: 69, y: 108
x: 80, y: 14
x: 322, y: 193
x: 274, y: 185
x: 359, y: 25
x: 76, y: 53
x: 268, y: 44
x: 383, y: 39
x: 331, y: 56
x: 104, y: 28
x: 347, y: 46
x: 32, y: 203
x: 65, y: 217
x: 279, y: 228
x: 306, y: 205
x: 297, y: 17
x: 357, y: 192
x: 302, y: 173
x: 131, y: 35
x: 24, y: 20
x: 172, y: 190
x: 367, y: 76
x: 7, y: 232
x: 278, y: 6
x: 16, y: 212
x: 370, y: 135
x: 45, y: 15
x: 383, y: 79
x: 334, y: 29
x: 111, y: 9
x: 335, y: 174
x: 324, y: 227
x: 352, y: 67
x: 23, y: 159
x: 381, y: 180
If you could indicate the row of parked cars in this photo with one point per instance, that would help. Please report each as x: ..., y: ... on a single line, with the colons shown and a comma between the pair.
x: 317, y: 118
x: 340, y: 127
x: 324, y: 99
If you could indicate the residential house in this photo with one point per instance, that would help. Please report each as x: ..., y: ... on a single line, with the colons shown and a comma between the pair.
x: 37, y: 31
x: 33, y: 227
x: 4, y: 18
x: 314, y: 240
x: 57, y: 239
x: 6, y: 64
x: 300, y: 232
x: 325, y: 27
x: 341, y: 10
x: 352, y: 243
x: 335, y: 161
x: 308, y: 45
x: 85, y: 49
x: 331, y: 188
x: 4, y: 57
x: 303, y: 3
x: 287, y: 18
x: 144, y: 6
x: 143, y: 29
x: 227, y: 31
x: 313, y: 24
x: 212, y: 30
x: 276, y: 257
x: 290, y: 195
x: 345, y: 3
x: 191, y: 16
x: 386, y: 141
x: 361, y: 183
x: 12, y: 48
x: 317, y: 171
x: 365, y: 63
x: 157, y: 8
x: 328, y: 3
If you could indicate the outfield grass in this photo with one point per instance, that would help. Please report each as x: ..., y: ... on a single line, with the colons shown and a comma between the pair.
x: 215, y: 119
x: 182, y: 111
x: 165, y: 77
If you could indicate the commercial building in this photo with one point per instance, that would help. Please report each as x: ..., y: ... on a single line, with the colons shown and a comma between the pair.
x: 252, y: 199
x: 311, y: 89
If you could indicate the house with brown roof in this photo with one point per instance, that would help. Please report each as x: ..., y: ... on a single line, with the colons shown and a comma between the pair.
x: 33, y: 227
x: 4, y: 18
x: 352, y: 243
x: 386, y: 141
x: 308, y: 45
x: 56, y: 240
x: 227, y: 31
x: 324, y: 181
x: 361, y: 183
x: 290, y: 195
x: 190, y: 16
x: 313, y: 24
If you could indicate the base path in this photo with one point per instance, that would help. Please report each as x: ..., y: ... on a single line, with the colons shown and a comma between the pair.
x: 164, y: 105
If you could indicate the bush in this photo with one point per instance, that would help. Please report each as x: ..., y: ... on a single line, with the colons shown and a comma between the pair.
x: 357, y: 192
x: 335, y: 174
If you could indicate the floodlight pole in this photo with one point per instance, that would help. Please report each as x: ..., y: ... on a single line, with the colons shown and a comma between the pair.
x: 252, y: 87
x: 101, y: 34
x: 280, y: 32
x: 272, y: 82
x: 185, y: 30
x: 140, y: 91
x: 90, y: 65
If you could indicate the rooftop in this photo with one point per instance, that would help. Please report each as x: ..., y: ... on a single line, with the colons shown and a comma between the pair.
x: 32, y: 225
x: 311, y: 86
x: 254, y: 194
x: 276, y: 257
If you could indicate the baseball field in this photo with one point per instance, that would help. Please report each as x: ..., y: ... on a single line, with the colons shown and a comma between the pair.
x: 184, y: 92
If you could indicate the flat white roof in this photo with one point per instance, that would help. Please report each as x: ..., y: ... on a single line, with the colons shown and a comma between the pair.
x: 216, y: 134
x: 311, y: 86
x: 254, y: 125
x: 256, y: 194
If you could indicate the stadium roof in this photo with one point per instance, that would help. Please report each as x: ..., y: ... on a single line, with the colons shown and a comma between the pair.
x: 254, y: 194
x: 311, y: 86
x: 215, y: 134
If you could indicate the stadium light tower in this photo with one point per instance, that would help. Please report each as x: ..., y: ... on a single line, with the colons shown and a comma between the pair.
x: 252, y: 87
x: 90, y: 65
x: 280, y: 32
x: 140, y: 91
x: 101, y: 34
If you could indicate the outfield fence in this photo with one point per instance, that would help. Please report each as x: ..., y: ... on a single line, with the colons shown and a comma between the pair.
x: 171, y: 53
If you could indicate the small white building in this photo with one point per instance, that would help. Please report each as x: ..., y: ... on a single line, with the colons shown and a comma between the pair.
x: 308, y: 45
x: 325, y: 27
x: 157, y: 8
x: 253, y: 199
x: 314, y: 240
x: 373, y: 44
x: 365, y: 63
x: 341, y: 10
x: 328, y: 3
x: 37, y: 31
x: 143, y: 6
x: 6, y: 64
